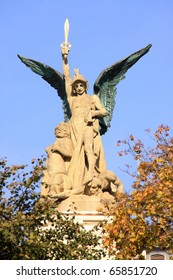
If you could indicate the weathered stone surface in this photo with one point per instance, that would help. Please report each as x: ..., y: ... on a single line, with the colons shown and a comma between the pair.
x: 76, y: 169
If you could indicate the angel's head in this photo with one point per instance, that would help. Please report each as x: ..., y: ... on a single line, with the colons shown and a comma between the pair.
x: 79, y: 83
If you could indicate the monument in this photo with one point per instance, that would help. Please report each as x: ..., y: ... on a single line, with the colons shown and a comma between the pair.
x: 76, y: 175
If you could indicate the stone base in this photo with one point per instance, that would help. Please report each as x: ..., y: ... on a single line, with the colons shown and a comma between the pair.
x: 86, y: 209
x: 78, y: 203
x: 89, y: 220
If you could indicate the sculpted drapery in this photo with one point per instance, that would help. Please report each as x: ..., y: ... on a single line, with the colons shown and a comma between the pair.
x: 75, y: 161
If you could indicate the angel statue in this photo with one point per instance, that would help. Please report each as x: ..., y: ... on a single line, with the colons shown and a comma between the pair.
x: 88, y: 117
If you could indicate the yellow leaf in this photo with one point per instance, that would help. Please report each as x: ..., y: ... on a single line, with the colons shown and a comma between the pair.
x: 132, y: 239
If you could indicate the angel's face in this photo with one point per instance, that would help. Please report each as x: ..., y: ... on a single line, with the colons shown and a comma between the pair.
x: 79, y: 88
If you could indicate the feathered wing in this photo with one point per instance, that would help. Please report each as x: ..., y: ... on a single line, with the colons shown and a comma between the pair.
x: 53, y: 77
x: 105, y: 84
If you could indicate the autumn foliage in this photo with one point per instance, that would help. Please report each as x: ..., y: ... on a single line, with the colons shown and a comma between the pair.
x: 143, y: 219
x: 32, y: 228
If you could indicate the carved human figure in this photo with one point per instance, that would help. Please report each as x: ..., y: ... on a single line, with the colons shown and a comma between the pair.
x: 76, y: 159
x: 59, y: 155
x: 93, y: 187
x: 110, y: 182
x: 106, y: 197
x: 88, y: 156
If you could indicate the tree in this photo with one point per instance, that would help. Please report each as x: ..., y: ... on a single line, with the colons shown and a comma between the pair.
x: 143, y: 219
x: 30, y: 227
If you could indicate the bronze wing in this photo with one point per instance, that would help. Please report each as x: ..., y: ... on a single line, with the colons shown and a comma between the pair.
x: 53, y: 77
x: 105, y: 84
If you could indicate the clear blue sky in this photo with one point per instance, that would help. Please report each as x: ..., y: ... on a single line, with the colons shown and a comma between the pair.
x: 101, y: 33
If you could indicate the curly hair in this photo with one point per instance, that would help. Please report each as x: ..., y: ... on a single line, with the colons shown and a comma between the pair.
x: 63, y: 127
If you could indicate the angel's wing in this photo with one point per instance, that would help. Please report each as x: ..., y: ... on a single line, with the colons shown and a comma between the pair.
x: 105, y: 84
x: 53, y: 77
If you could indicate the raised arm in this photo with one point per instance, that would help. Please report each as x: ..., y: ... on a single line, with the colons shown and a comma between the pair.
x: 66, y: 69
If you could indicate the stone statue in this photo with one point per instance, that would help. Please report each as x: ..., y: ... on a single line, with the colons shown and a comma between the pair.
x: 88, y: 157
x: 55, y: 178
x: 76, y: 163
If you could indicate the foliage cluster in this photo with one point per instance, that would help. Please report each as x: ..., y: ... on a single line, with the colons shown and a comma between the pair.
x: 143, y: 219
x: 30, y: 227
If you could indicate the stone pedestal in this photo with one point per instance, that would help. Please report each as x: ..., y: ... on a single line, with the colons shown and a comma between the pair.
x: 86, y: 209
